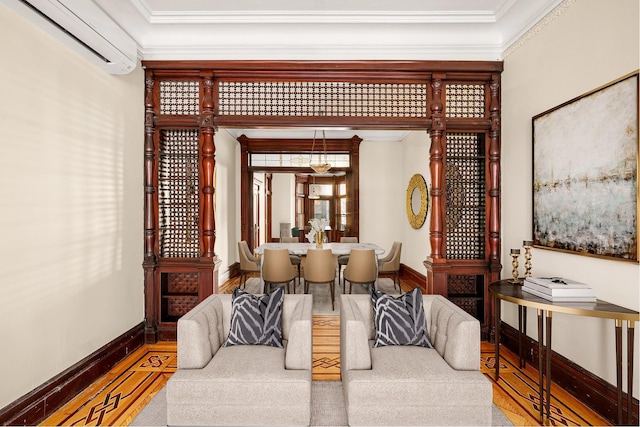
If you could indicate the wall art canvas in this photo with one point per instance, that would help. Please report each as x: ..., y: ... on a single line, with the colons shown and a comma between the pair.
x: 585, y: 173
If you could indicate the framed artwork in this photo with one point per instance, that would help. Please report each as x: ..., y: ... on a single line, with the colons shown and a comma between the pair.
x: 585, y: 173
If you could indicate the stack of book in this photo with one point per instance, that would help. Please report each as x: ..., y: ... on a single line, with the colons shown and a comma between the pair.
x: 558, y: 289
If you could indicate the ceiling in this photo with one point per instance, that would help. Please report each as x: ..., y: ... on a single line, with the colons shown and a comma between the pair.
x: 326, y: 30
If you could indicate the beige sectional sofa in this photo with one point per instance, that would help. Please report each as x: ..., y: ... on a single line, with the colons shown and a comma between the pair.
x: 410, y: 385
x: 241, y: 384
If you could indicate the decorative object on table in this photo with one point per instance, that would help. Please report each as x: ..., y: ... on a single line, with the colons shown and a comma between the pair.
x: 585, y: 165
x: 316, y: 234
x: 527, y: 257
x: 515, y: 253
x: 319, y: 166
x: 417, y: 201
x: 558, y: 289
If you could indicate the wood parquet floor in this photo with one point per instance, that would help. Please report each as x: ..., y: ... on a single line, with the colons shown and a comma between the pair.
x: 118, y: 397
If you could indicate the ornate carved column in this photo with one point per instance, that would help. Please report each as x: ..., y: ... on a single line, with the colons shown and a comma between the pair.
x: 150, y: 208
x: 494, y: 179
x: 207, y: 131
x: 437, y: 169
x: 436, y: 280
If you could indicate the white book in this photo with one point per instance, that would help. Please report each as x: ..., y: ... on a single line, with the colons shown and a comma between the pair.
x: 560, y: 290
x: 556, y: 282
x: 552, y: 298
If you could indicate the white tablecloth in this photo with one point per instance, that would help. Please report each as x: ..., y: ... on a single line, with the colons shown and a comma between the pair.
x: 336, y: 248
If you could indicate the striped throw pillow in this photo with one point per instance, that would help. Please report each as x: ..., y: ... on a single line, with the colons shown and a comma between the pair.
x: 256, y: 319
x: 399, y: 320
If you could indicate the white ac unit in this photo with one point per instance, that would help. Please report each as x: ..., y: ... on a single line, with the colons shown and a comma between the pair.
x: 85, y: 27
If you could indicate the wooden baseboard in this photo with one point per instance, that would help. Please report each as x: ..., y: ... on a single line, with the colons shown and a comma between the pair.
x: 38, y: 404
x: 408, y: 273
x: 592, y: 390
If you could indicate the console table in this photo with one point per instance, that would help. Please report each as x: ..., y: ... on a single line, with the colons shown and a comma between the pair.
x: 506, y: 291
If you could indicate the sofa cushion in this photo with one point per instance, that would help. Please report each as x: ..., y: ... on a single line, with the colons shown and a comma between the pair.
x: 399, y: 320
x: 398, y: 372
x: 241, y: 375
x: 256, y: 319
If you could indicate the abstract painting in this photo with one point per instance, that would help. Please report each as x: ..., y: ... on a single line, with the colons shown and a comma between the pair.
x: 585, y: 173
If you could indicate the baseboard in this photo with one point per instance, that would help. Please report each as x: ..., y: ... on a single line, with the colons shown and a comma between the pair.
x: 593, y: 391
x: 40, y: 403
x: 232, y: 271
x: 412, y: 275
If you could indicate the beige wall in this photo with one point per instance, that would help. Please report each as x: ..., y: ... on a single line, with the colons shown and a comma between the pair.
x: 588, y: 45
x: 227, y: 206
x: 71, y: 194
x: 415, y: 159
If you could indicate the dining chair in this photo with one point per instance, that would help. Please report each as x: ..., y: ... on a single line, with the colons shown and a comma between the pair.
x: 362, y: 268
x: 277, y: 268
x: 344, y: 259
x: 295, y: 259
x: 248, y: 263
x: 320, y: 268
x: 390, y: 264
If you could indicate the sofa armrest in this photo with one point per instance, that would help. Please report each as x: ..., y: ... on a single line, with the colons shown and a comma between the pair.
x: 355, y: 352
x: 299, y: 353
x: 200, y: 334
x: 457, y: 335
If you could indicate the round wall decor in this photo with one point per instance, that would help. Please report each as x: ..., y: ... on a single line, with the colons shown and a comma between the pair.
x: 417, y: 201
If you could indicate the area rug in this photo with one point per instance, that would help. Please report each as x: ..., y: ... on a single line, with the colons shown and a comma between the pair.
x: 322, y: 294
x: 327, y: 408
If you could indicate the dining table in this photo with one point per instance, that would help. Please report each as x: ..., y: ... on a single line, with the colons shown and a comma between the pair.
x: 302, y: 248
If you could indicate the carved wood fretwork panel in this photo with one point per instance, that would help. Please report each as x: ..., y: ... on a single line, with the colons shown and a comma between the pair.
x: 321, y: 98
x: 456, y: 102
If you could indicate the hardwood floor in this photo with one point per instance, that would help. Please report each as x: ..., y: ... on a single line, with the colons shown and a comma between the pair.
x: 119, y: 396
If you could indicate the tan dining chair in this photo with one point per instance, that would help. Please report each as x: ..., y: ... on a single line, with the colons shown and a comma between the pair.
x: 248, y: 263
x: 362, y: 268
x: 390, y: 264
x: 320, y: 268
x: 277, y: 269
x: 296, y: 260
x: 344, y: 259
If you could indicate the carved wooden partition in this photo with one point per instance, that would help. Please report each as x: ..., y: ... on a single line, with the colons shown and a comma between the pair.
x: 456, y: 102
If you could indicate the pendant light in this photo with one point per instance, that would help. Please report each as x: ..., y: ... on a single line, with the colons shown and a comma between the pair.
x: 319, y: 166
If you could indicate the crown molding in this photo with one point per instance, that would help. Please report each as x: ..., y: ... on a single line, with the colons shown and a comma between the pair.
x: 324, y: 52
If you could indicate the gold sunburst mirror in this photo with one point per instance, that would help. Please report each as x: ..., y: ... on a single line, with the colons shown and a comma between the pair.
x: 417, y: 201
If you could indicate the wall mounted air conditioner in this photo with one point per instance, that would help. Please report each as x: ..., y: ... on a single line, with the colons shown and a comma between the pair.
x: 85, y: 27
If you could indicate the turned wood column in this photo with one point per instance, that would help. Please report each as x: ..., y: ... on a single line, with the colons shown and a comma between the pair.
x: 207, y: 131
x: 438, y: 172
x: 494, y: 179
x: 150, y: 209
x: 437, y: 278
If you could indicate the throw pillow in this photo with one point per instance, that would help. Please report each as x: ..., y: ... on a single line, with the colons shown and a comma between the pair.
x: 256, y: 319
x: 399, y: 320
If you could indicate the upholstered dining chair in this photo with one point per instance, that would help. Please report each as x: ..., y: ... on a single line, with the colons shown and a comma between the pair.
x: 320, y: 268
x: 295, y: 259
x: 277, y: 268
x: 344, y: 259
x: 390, y: 264
x: 362, y: 268
x: 248, y: 262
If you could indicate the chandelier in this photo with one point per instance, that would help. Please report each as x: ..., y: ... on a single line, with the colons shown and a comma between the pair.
x: 319, y: 166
